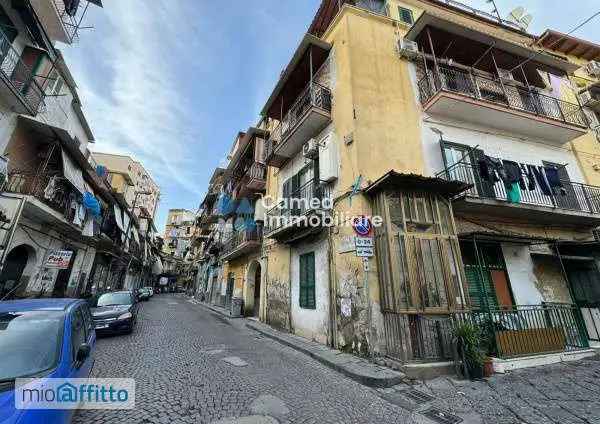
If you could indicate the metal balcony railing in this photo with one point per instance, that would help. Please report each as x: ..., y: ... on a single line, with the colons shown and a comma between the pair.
x: 574, y: 196
x: 523, y: 330
x: 50, y: 188
x: 299, y: 203
x: 238, y: 238
x: 19, y: 75
x: 493, y: 90
x: 314, y: 95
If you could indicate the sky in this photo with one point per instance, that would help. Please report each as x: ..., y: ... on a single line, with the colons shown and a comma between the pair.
x: 171, y: 82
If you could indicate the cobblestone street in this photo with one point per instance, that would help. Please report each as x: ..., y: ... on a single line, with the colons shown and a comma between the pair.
x: 194, y: 366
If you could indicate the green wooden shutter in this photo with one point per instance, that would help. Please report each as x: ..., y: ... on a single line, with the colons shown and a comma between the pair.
x: 479, y: 289
x: 406, y: 15
x: 307, y: 281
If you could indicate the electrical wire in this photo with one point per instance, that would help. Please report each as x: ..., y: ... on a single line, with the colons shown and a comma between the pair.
x: 582, y: 24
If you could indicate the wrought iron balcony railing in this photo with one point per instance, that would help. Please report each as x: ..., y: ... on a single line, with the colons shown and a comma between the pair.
x: 314, y: 95
x: 19, y: 75
x: 50, y: 188
x: 238, y: 238
x: 299, y: 203
x: 493, y: 90
x: 574, y: 196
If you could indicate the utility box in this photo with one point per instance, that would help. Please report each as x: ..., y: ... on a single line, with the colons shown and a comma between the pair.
x: 237, y: 307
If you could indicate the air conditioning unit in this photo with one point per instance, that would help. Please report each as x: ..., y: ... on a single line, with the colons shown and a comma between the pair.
x: 408, y: 48
x: 506, y: 75
x: 310, y: 150
x: 593, y: 68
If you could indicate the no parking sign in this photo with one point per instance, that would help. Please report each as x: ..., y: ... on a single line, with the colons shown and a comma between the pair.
x: 362, y: 226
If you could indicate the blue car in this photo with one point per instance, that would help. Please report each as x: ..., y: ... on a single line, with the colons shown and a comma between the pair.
x: 43, y: 338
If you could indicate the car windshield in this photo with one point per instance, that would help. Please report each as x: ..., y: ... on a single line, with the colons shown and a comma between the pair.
x: 30, y: 342
x: 109, y: 299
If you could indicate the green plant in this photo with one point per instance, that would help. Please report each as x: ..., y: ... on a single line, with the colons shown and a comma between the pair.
x: 469, y: 341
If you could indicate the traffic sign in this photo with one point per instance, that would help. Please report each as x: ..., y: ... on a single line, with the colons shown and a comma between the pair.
x: 362, y: 226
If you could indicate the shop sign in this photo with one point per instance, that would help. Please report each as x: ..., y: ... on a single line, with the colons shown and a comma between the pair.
x: 59, y: 259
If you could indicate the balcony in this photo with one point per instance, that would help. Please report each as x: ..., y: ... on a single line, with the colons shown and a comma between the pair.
x: 310, y: 113
x: 19, y: 89
x: 578, y: 205
x: 291, y: 218
x: 508, y: 106
x: 252, y: 179
x: 241, y: 243
x: 45, y: 205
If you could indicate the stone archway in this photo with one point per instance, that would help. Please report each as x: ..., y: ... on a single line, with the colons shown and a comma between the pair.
x: 18, y: 267
x: 253, y: 289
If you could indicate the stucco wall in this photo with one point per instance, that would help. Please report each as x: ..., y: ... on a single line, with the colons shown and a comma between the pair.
x: 523, y: 281
x: 278, y: 285
x: 311, y: 323
x: 550, y: 280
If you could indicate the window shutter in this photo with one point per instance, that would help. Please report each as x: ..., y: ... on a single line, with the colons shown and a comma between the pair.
x: 406, y: 15
x: 307, y: 281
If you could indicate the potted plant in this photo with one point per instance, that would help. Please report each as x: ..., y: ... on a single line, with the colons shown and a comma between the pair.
x: 468, y: 340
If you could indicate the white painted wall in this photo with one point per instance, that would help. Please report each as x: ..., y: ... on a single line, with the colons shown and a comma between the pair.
x: 311, y: 323
x: 520, y: 273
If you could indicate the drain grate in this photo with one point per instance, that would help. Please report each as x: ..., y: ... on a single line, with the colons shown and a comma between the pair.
x: 441, y: 416
x: 418, y: 396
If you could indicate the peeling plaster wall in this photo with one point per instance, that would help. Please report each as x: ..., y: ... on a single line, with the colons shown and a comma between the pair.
x: 311, y: 323
x: 550, y: 280
x: 523, y: 281
x: 353, y: 300
x: 278, y: 286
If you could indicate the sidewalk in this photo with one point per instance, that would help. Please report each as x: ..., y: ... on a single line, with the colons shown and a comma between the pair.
x: 351, y: 366
x: 356, y: 368
x: 218, y: 309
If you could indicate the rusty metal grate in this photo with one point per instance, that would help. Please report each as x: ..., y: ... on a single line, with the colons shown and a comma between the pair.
x: 418, y: 396
x: 441, y: 416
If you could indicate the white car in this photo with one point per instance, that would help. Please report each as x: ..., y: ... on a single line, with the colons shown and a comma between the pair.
x: 150, y: 290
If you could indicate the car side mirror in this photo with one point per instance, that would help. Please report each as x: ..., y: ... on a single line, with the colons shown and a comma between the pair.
x: 83, y: 352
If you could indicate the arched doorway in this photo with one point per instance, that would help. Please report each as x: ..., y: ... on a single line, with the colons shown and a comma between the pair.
x: 12, y: 272
x: 253, y: 292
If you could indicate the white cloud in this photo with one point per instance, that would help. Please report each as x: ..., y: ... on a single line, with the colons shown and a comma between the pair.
x: 143, y: 110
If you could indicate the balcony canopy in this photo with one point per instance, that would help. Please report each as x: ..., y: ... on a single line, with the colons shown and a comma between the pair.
x: 296, y: 75
x: 246, y: 141
x: 569, y: 45
x: 396, y: 180
x: 467, y: 45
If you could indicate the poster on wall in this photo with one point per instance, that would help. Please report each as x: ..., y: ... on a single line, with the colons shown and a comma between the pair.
x: 59, y: 259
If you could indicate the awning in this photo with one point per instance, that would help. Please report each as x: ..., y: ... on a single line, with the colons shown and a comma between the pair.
x: 469, y: 230
x: 429, y: 19
x: 295, y: 77
x: 395, y: 180
x: 72, y: 172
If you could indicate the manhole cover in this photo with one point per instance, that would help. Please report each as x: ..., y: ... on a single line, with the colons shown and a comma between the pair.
x: 441, y: 416
x: 418, y: 396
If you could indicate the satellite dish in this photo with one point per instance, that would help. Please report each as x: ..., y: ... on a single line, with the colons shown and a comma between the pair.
x: 526, y: 21
x: 516, y: 14
x: 518, y: 17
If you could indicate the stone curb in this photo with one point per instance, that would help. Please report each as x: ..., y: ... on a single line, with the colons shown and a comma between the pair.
x: 351, y: 366
x: 216, y: 309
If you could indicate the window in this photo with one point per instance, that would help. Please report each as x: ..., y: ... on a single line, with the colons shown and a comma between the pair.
x: 307, y: 281
x: 406, y: 15
x: 55, y: 83
x: 77, y: 332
